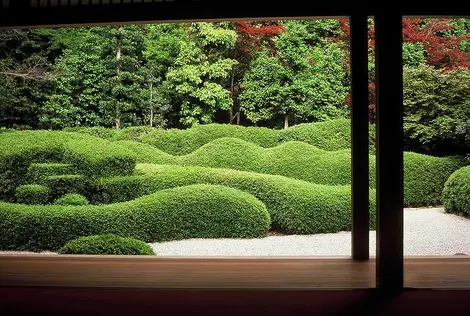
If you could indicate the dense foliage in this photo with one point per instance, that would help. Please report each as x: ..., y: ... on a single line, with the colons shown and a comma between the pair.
x: 20, y: 153
x: 71, y: 199
x: 456, y: 193
x: 107, y: 244
x: 295, y: 206
x: 197, y: 211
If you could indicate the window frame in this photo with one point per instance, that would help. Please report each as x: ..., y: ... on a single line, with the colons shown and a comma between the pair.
x: 389, y: 263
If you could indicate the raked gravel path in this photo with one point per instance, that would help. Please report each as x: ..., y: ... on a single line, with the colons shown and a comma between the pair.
x: 428, y: 231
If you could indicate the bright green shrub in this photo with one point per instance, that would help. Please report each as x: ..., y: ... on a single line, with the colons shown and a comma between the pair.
x: 38, y: 172
x: 330, y: 135
x: 456, y: 193
x: 181, y: 142
x: 32, y: 194
x: 132, y: 133
x: 292, y: 159
x: 196, y: 211
x: 107, y: 244
x: 72, y: 199
x: 425, y: 177
x: 97, y: 131
x: 302, y: 161
x: 63, y: 184
x: 90, y: 156
x: 145, y: 153
x: 295, y: 206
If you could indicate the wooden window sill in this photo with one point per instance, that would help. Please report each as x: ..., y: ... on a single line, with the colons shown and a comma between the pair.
x: 223, y: 273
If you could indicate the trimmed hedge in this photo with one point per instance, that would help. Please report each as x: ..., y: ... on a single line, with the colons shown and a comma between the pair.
x: 64, y: 184
x: 425, y: 177
x: 302, y: 161
x: 107, y: 244
x: 296, y: 160
x: 295, y: 206
x: 196, y: 211
x: 32, y: 194
x: 456, y: 193
x: 72, y: 199
x: 96, y: 131
x: 38, y: 172
x: 330, y: 135
x: 91, y: 156
x: 182, y: 142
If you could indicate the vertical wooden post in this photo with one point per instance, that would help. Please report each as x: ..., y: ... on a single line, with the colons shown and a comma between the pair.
x: 360, y: 137
x: 389, y: 153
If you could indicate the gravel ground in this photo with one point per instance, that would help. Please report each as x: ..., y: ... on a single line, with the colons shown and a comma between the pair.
x: 428, y: 231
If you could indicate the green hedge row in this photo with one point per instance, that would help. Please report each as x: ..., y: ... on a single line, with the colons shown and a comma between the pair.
x: 32, y: 194
x: 197, y: 211
x: 424, y: 175
x: 38, y: 172
x: 456, y: 193
x: 295, y: 206
x: 107, y: 244
x: 89, y: 156
x: 330, y: 135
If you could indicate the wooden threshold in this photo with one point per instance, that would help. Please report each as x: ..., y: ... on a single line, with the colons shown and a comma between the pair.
x: 222, y: 273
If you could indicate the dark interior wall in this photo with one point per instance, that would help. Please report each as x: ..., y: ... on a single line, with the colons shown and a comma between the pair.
x: 50, y: 301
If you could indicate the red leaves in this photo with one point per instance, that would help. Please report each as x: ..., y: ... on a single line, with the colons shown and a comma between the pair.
x: 442, y: 50
x: 253, y: 34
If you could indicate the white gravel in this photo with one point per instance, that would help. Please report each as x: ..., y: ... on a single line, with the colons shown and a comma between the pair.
x: 428, y: 231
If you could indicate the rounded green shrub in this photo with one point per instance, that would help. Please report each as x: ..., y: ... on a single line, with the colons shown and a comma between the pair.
x: 90, y: 156
x: 196, y: 211
x: 295, y: 206
x: 32, y: 194
x: 107, y: 244
x: 456, y: 193
x: 72, y: 199
x: 425, y: 177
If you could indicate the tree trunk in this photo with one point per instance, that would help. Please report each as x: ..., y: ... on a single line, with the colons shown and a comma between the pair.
x: 118, y: 74
x: 238, y: 118
x: 151, y: 103
x: 286, y: 121
x: 232, y: 117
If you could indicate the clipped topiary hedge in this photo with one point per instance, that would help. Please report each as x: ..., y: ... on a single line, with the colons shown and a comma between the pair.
x: 107, y: 244
x: 425, y: 177
x: 38, y: 172
x: 32, y: 194
x: 456, y: 193
x: 72, y: 199
x: 295, y: 206
x: 302, y: 161
x: 196, y: 211
x: 96, y: 131
x: 182, y: 142
x: 90, y: 156
x: 64, y: 184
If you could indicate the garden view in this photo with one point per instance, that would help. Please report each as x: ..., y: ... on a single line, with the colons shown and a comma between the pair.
x: 223, y: 138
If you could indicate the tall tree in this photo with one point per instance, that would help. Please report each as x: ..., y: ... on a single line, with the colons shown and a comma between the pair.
x: 199, y: 71
x: 301, y: 80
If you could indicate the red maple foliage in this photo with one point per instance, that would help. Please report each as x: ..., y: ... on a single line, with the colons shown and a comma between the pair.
x: 252, y: 35
x: 441, y: 49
